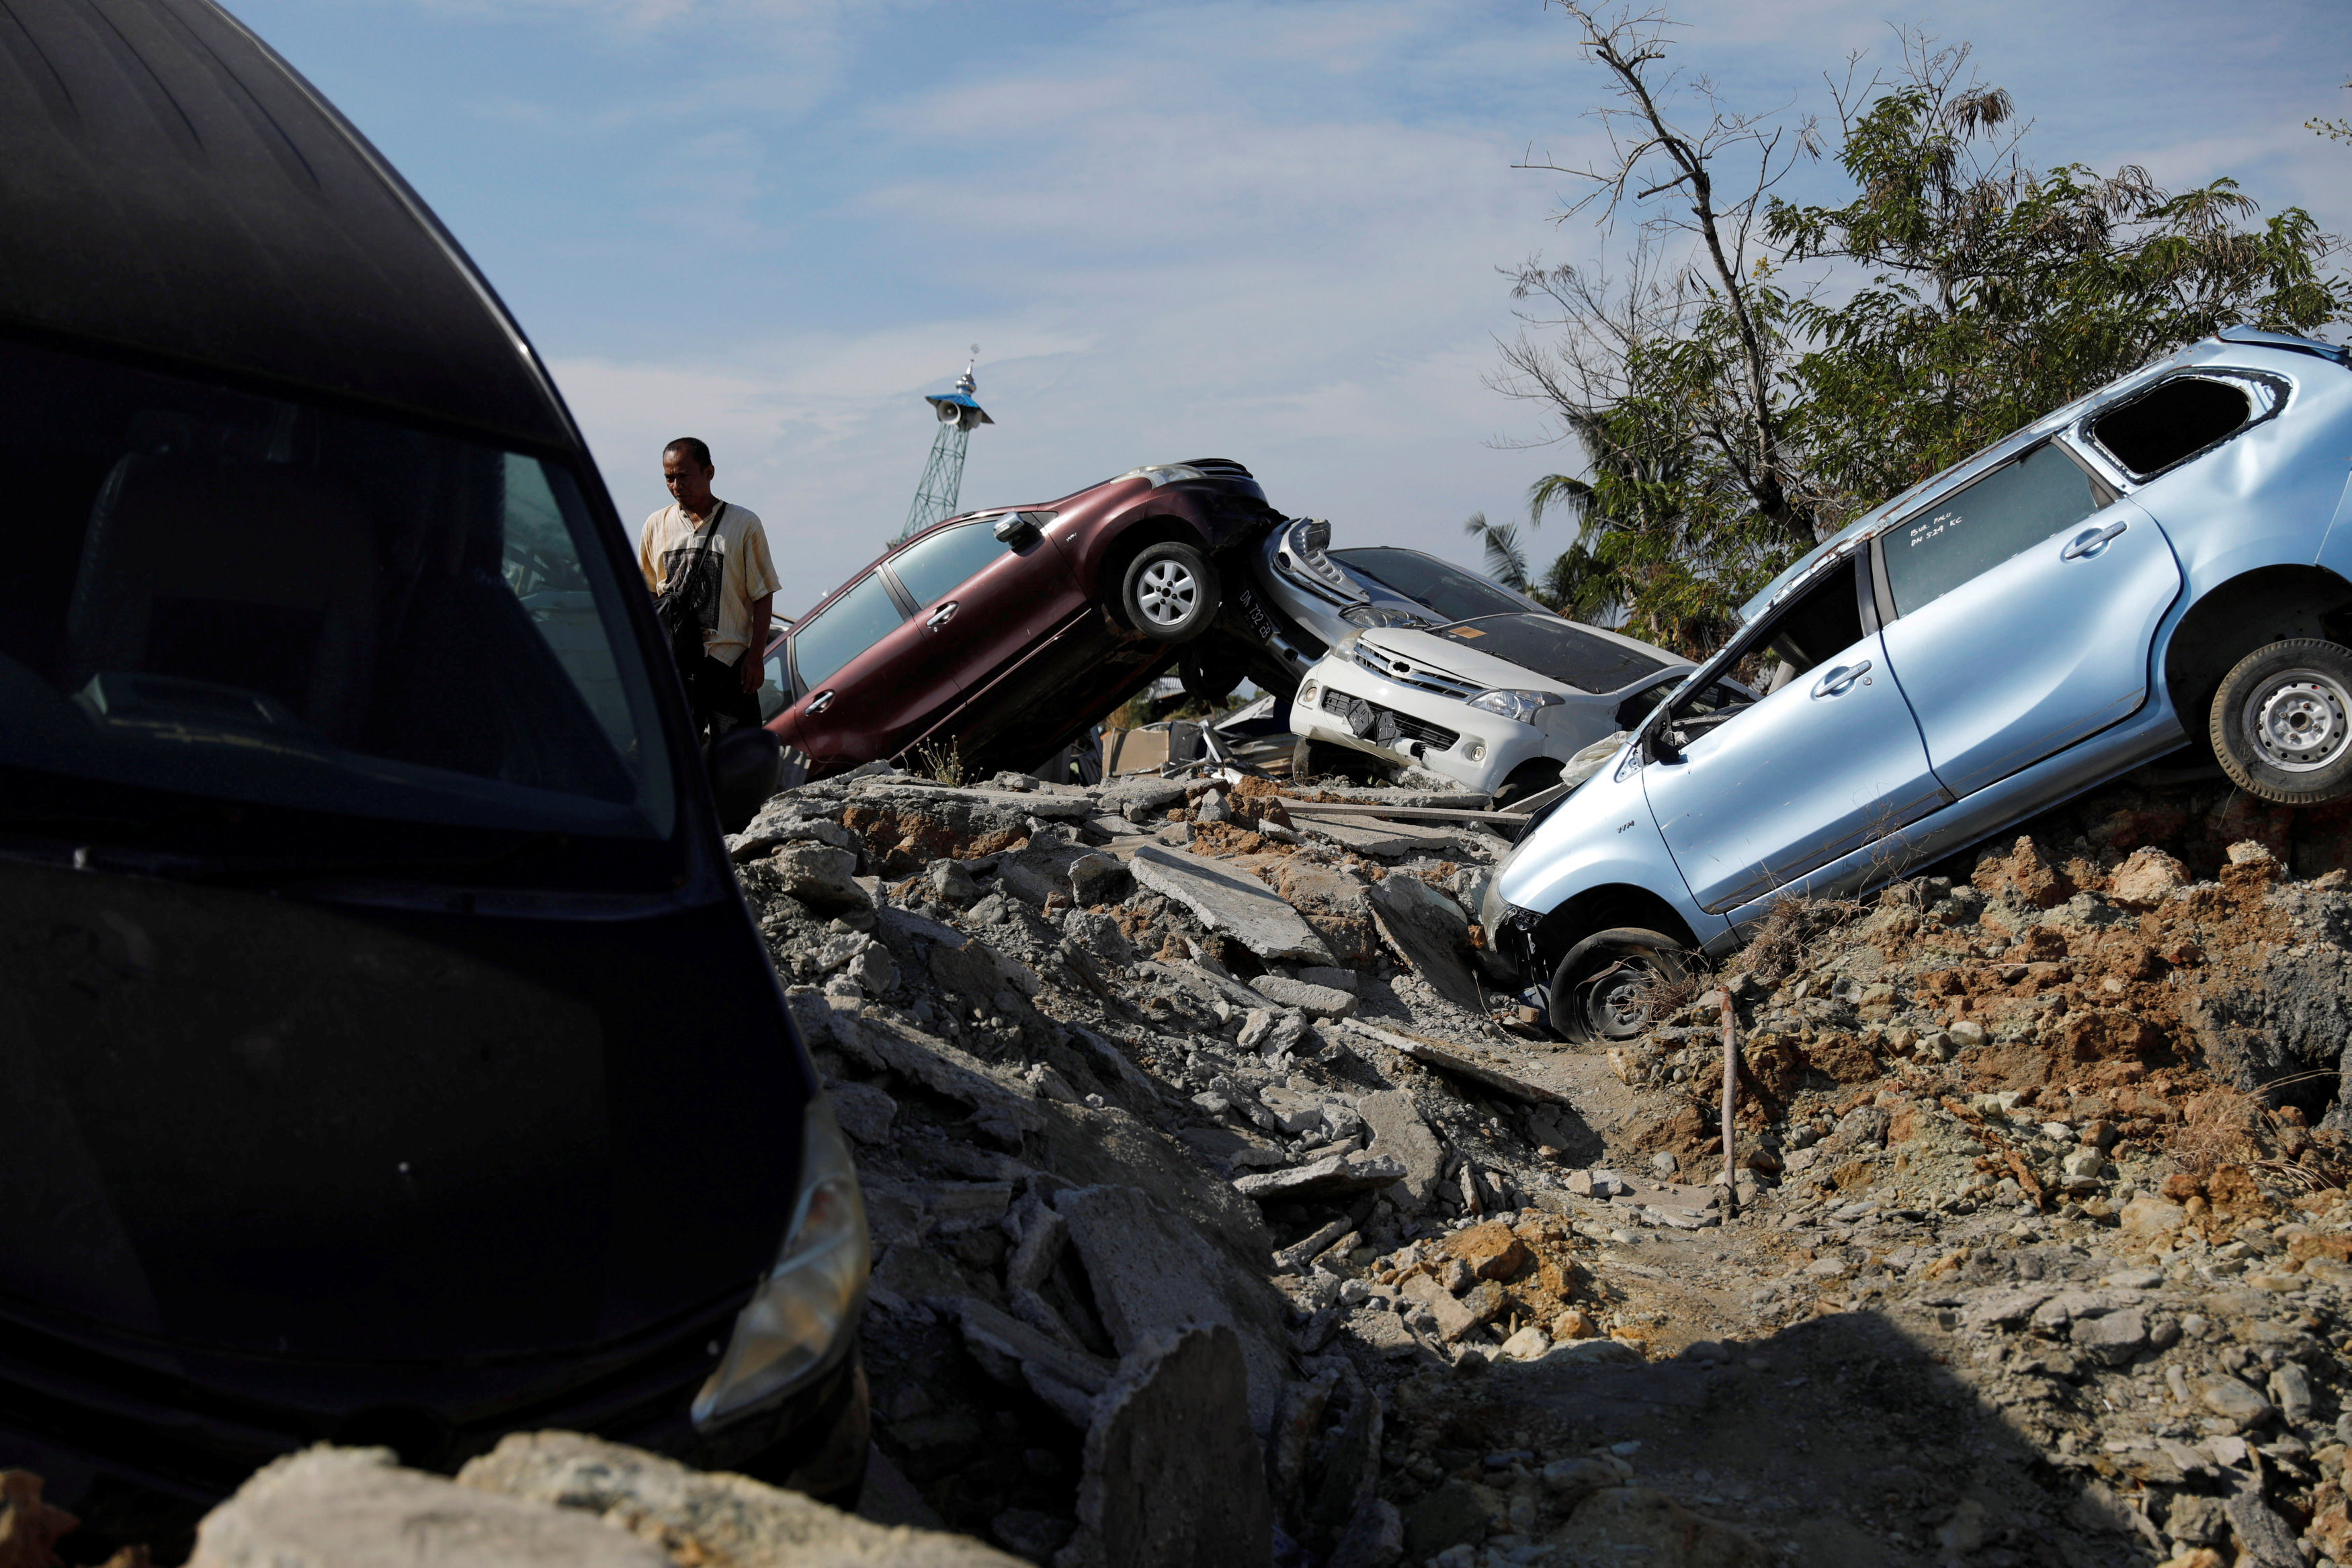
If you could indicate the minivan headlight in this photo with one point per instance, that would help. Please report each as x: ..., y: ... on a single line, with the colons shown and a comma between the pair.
x: 1300, y: 555
x: 801, y: 1316
x: 1372, y: 615
x: 1522, y: 707
x: 1163, y: 473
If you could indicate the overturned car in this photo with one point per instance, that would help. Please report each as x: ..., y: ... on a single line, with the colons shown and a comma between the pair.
x: 2165, y: 562
x: 1002, y: 636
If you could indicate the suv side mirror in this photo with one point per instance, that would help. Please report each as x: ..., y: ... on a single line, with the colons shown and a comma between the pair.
x: 1014, y: 528
x: 746, y: 765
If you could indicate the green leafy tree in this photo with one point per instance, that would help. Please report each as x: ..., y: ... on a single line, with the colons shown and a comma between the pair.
x: 1997, y: 293
x: 1763, y: 369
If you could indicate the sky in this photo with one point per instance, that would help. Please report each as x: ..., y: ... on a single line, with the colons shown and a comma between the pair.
x: 1273, y: 232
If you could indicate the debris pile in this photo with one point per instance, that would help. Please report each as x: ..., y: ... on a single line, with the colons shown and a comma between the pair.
x: 1161, y: 1058
x: 1224, y: 1211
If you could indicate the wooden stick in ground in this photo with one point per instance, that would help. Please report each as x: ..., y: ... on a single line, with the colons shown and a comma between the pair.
x: 1730, y: 1089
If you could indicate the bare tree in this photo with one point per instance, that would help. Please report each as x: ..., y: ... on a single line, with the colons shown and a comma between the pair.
x: 1668, y: 173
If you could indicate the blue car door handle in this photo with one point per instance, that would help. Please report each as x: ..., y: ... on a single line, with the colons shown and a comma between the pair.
x: 2090, y: 540
x: 1835, y: 682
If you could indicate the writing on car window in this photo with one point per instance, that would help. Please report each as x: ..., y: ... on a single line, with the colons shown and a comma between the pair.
x: 2016, y: 506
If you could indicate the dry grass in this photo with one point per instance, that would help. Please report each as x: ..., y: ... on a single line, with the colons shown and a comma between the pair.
x: 1778, y: 949
x: 943, y: 764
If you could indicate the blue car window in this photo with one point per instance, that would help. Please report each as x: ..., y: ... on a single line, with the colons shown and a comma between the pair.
x: 2014, y: 507
x: 848, y: 626
x: 933, y: 565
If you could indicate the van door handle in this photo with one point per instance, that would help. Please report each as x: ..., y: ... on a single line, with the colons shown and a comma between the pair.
x: 941, y: 616
x: 819, y: 703
x: 1835, y: 682
x: 2091, y: 540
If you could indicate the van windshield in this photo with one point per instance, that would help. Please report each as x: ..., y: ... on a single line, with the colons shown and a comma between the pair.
x: 217, y: 599
x: 1454, y: 593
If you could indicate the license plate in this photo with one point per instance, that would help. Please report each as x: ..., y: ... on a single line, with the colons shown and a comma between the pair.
x: 1260, y: 621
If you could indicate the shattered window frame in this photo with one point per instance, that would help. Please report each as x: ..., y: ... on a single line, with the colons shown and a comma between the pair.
x: 2266, y: 394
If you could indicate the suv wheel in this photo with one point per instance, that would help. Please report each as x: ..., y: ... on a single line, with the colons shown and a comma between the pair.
x: 1526, y: 780
x: 1601, y: 992
x: 1170, y: 592
x: 2281, y: 723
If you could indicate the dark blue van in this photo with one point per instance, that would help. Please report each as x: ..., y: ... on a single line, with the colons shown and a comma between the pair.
x: 388, y: 1055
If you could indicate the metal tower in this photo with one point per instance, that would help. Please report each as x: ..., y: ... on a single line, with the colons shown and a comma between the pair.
x: 942, y: 481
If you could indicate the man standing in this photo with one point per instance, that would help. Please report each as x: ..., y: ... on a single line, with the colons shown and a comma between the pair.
x: 707, y: 563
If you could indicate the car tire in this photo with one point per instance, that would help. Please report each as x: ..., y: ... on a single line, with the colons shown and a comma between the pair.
x: 1170, y: 592
x: 1527, y: 780
x: 2281, y: 723
x: 1596, y: 991
x: 1320, y: 760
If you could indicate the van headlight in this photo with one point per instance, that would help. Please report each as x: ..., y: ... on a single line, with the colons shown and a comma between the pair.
x: 1522, y: 707
x: 801, y: 1316
x: 1163, y: 473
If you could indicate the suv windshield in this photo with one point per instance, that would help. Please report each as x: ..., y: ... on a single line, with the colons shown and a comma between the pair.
x: 226, y: 606
x: 1454, y: 593
x: 1568, y: 655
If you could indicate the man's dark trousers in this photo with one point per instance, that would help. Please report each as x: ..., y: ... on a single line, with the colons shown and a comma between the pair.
x: 715, y: 693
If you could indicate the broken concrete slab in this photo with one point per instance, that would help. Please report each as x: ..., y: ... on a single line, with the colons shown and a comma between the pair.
x: 1346, y: 980
x: 1399, y: 1133
x: 1003, y: 1107
x: 700, y: 1516
x: 1449, y: 1057
x: 1109, y: 1145
x: 1224, y: 902
x: 1151, y: 1273
x: 1321, y: 1001
x: 1334, y: 1176
x: 820, y: 877
x: 1228, y: 1149
x: 1430, y: 933
x: 1173, y: 1478
x: 1362, y: 835
x: 1019, y: 1354
x: 357, y: 1507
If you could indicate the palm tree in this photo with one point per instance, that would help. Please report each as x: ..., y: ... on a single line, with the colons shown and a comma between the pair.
x: 1507, y: 560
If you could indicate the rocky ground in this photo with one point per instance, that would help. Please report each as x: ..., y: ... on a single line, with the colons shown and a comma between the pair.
x: 1225, y: 1211
x: 2035, y: 1253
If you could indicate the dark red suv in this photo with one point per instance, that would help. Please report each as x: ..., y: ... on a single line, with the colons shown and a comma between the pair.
x: 1005, y: 635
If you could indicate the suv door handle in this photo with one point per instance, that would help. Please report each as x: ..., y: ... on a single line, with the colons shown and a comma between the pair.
x: 819, y: 703
x: 942, y: 615
x: 2091, y: 540
x: 1835, y: 682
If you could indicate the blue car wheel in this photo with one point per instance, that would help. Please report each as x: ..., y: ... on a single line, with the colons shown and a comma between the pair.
x: 2282, y: 722
x: 1610, y: 984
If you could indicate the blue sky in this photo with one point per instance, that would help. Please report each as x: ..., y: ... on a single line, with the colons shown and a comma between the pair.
x: 1262, y: 231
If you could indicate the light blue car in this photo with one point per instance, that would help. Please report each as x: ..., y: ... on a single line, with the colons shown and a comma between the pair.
x: 2166, y: 563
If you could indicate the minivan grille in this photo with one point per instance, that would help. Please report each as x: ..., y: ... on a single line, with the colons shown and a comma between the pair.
x: 1385, y: 726
x: 1420, y: 677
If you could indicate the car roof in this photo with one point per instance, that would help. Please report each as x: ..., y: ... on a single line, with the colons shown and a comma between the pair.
x: 176, y: 190
x: 2225, y: 351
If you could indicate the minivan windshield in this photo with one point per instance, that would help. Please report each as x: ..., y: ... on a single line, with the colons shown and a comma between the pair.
x: 1455, y: 594
x: 222, y: 604
x: 1551, y: 646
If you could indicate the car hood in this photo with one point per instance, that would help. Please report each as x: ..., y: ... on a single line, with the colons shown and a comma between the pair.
x: 1426, y: 650
x: 236, y: 1122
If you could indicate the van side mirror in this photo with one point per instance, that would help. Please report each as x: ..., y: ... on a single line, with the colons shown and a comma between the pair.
x: 747, y: 763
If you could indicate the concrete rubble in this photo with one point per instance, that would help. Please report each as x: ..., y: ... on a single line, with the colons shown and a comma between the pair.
x: 1224, y: 1210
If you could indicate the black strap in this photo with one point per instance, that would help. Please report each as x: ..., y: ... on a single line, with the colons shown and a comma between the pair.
x: 675, y: 611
